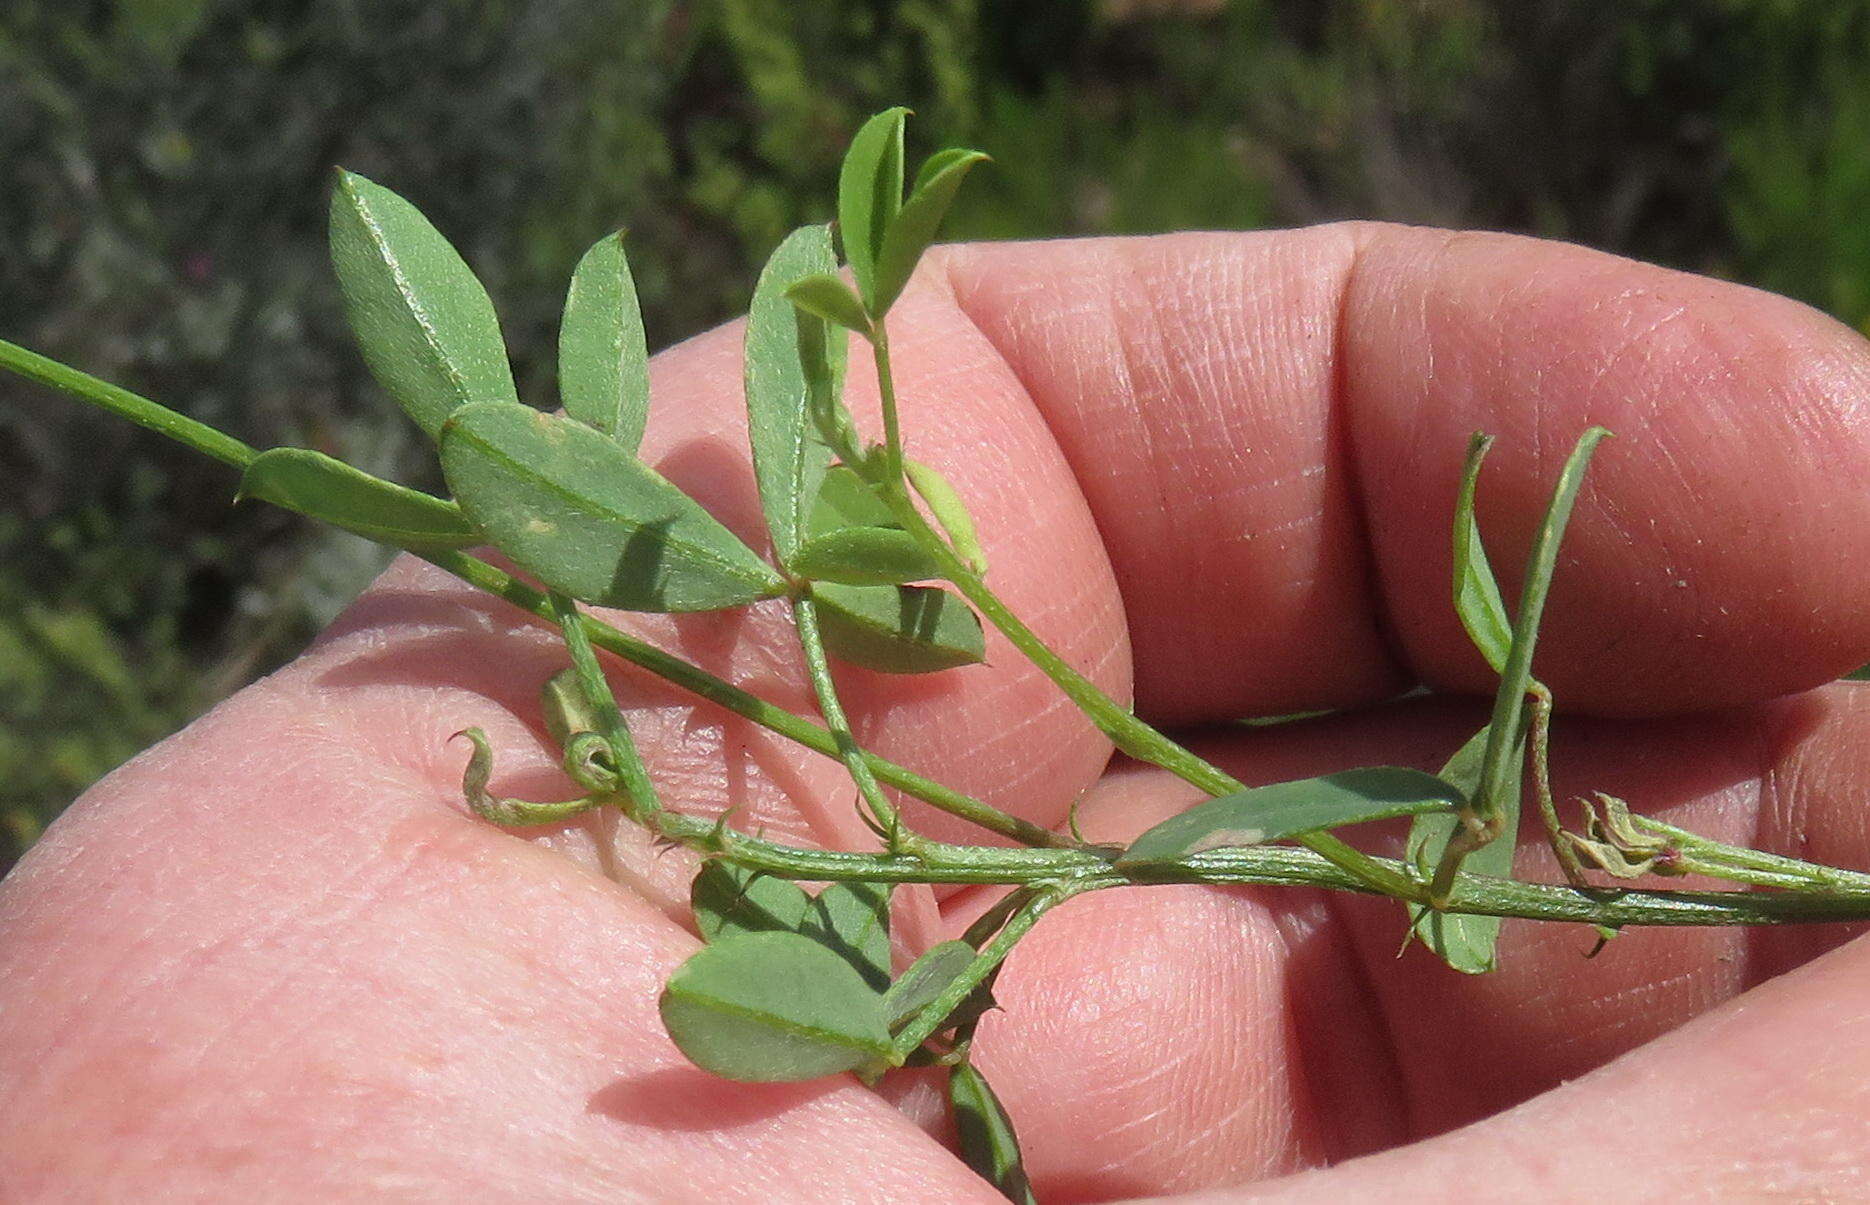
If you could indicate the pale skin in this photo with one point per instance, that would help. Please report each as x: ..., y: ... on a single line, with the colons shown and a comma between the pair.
x: 276, y: 959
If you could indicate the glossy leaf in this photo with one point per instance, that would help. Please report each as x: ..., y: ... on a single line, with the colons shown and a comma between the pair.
x: 827, y: 296
x: 603, y: 358
x: 1509, y: 703
x: 926, y: 979
x: 870, y: 194
x: 1476, y: 594
x: 589, y: 519
x: 899, y: 629
x: 913, y: 229
x: 846, y: 500
x: 773, y: 1007
x: 729, y: 899
x: 949, y: 511
x: 426, y: 327
x: 865, y: 556
x: 1466, y: 943
x: 988, y: 1141
x: 853, y: 921
x: 1285, y: 809
x: 333, y: 492
x: 789, y: 460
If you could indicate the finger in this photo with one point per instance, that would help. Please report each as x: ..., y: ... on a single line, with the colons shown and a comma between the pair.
x: 1268, y: 429
x: 1764, y: 1097
x: 1251, y: 1033
x: 266, y: 961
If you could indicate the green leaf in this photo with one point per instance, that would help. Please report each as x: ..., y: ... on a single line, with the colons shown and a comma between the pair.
x: 589, y: 519
x: 769, y: 1007
x: 333, y: 492
x: 865, y: 556
x: 926, y: 979
x: 870, y: 194
x: 949, y: 511
x: 730, y: 900
x: 1476, y: 594
x: 827, y: 296
x: 899, y: 629
x: 914, y: 228
x: 989, y: 1144
x: 1466, y: 943
x: 427, y: 330
x: 846, y: 500
x: 789, y: 460
x: 603, y: 358
x: 1258, y: 815
x: 853, y: 921
x: 1860, y: 675
x: 1509, y: 703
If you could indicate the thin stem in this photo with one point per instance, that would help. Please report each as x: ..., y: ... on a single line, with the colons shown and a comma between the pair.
x: 985, y: 963
x: 704, y: 685
x: 883, y: 812
x: 1700, y: 855
x: 1133, y: 736
x: 632, y: 774
x: 886, y: 393
x: 139, y: 410
x: 1539, y: 742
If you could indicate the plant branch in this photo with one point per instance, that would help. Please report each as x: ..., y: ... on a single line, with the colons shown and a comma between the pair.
x: 777, y: 719
x: 119, y: 401
x: 882, y: 811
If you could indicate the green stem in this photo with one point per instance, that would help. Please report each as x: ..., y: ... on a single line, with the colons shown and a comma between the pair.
x: 985, y: 963
x: 1699, y: 855
x: 1133, y: 736
x: 886, y: 394
x: 139, y: 410
x: 704, y: 685
x: 805, y: 615
x: 632, y: 774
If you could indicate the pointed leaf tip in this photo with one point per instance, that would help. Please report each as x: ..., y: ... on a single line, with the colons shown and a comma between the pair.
x: 603, y: 358
x: 426, y: 327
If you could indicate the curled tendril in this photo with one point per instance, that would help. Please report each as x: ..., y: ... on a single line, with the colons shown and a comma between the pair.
x: 508, y: 812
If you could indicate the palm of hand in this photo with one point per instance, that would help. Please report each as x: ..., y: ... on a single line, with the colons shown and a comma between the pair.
x: 276, y: 958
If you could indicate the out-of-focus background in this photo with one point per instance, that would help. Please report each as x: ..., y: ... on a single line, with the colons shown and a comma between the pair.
x: 163, y: 183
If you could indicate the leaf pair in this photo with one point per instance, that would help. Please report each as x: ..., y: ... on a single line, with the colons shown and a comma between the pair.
x: 884, y: 234
x: 795, y: 986
x: 827, y: 526
x: 1491, y: 765
x: 566, y: 498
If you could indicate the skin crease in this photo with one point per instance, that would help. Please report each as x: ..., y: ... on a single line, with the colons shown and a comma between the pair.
x: 273, y: 958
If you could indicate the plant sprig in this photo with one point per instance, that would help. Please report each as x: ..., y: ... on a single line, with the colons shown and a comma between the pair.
x: 883, y: 568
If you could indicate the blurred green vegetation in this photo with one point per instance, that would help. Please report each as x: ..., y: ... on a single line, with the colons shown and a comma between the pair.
x: 167, y: 162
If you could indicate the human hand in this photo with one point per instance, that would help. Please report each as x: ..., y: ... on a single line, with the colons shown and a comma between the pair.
x: 275, y: 958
